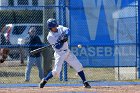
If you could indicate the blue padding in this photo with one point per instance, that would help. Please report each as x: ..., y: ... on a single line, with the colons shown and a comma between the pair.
x: 99, y: 83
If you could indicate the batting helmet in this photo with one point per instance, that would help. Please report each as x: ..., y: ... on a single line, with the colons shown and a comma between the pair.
x: 51, y: 23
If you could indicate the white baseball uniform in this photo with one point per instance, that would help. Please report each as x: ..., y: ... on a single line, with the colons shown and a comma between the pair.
x: 62, y: 54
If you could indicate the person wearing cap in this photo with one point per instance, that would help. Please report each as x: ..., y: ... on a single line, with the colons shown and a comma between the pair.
x: 58, y: 38
x: 33, y: 42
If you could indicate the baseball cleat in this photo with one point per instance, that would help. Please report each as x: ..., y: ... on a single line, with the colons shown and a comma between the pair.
x: 42, y: 83
x: 86, y: 85
x: 26, y: 81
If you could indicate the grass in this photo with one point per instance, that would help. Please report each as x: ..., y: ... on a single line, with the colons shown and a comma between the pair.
x: 93, y: 74
x: 12, y: 75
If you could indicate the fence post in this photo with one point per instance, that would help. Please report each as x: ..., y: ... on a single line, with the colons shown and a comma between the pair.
x: 62, y: 21
x: 47, y: 53
x: 139, y: 38
x: 65, y: 71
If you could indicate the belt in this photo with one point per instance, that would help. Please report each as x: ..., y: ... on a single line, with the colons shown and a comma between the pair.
x: 65, y: 50
x: 62, y: 50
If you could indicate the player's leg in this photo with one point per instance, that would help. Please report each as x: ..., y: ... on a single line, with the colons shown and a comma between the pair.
x: 39, y: 66
x: 30, y: 62
x: 74, y: 62
x: 56, y: 70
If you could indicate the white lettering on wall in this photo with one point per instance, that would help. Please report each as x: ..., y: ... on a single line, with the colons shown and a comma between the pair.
x: 92, y: 11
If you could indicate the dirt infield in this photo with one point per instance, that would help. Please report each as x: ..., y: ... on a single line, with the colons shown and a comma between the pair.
x: 94, y: 89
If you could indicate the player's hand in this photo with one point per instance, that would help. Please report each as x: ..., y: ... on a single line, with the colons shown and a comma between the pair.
x: 65, y: 38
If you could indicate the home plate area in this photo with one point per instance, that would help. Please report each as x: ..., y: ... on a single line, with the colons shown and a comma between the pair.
x: 98, y: 87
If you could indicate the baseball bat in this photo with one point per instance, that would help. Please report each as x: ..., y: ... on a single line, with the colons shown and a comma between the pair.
x: 42, y: 48
x: 39, y: 49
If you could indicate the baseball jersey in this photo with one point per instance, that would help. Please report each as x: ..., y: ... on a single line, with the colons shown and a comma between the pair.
x: 54, y: 36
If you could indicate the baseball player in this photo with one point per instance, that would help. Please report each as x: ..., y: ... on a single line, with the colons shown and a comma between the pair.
x: 58, y: 37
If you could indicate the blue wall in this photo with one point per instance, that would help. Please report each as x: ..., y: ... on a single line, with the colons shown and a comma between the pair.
x: 92, y: 26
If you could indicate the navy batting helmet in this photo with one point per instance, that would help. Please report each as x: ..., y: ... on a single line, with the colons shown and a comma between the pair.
x: 51, y: 23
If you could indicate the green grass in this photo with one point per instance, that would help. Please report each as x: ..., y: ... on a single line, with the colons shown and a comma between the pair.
x: 93, y: 74
x: 12, y: 75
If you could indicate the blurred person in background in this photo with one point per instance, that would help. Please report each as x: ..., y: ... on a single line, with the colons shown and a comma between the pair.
x: 33, y: 42
x: 3, y: 50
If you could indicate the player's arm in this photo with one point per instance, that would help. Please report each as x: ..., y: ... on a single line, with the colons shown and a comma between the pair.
x: 56, y: 43
x: 66, y: 32
x: 59, y: 45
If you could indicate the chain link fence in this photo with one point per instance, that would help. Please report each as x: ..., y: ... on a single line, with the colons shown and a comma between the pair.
x: 107, y: 31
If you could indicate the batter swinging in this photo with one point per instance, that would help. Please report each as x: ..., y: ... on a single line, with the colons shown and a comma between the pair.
x: 58, y: 37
